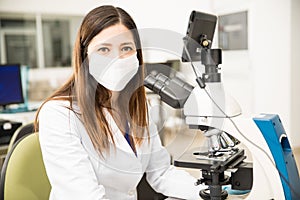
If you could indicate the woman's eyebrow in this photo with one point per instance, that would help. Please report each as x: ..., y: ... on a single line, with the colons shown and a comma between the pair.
x: 127, y: 43
x: 96, y: 46
x: 104, y: 44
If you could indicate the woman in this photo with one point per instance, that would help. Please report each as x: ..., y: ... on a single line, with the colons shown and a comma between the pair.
x: 95, y: 135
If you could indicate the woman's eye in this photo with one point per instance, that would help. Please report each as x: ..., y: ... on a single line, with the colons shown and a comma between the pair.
x: 103, y: 50
x: 127, y: 49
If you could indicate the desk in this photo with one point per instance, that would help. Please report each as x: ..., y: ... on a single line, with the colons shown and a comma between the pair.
x: 24, y: 117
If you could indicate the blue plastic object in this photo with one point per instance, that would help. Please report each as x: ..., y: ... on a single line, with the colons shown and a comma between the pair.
x: 272, y: 129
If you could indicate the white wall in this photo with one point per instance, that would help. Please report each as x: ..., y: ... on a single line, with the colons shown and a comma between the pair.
x: 67, y: 7
x: 265, y: 78
x: 270, y: 55
x: 295, y: 72
x: 165, y: 14
x: 236, y: 65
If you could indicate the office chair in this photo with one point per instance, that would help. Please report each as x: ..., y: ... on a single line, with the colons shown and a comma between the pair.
x: 19, y: 133
x: 23, y: 176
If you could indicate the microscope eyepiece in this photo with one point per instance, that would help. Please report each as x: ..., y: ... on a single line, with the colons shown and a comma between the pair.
x: 173, y: 91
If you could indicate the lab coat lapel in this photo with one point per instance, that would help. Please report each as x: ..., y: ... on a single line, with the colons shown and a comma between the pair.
x: 142, y: 152
x: 119, y: 139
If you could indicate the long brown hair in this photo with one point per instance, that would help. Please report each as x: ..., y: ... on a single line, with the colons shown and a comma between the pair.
x: 83, y: 88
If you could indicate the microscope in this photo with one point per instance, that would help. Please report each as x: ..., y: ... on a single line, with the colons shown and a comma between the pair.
x: 272, y: 173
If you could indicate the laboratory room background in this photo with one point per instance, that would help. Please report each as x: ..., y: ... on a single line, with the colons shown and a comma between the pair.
x: 218, y: 81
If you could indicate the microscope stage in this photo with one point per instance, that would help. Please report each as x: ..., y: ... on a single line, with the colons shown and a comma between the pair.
x: 199, y: 160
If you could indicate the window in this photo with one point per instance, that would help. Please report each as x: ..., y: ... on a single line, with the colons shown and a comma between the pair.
x: 37, y: 41
x: 57, y: 44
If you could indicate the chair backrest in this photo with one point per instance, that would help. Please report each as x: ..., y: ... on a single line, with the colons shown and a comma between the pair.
x: 23, y: 176
x: 21, y: 132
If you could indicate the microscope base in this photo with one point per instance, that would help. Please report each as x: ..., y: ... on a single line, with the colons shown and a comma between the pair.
x: 205, y: 194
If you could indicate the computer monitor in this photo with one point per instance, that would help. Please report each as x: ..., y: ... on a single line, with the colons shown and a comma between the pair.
x: 200, y: 24
x: 10, y: 85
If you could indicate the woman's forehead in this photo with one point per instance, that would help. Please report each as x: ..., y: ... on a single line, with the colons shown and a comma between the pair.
x: 113, y: 35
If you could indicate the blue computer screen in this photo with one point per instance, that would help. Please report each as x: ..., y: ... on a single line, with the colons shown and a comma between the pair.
x: 10, y: 85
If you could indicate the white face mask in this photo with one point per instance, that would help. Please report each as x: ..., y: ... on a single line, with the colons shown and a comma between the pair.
x: 114, y: 74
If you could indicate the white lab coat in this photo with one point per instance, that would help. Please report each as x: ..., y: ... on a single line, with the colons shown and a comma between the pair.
x: 76, y: 171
